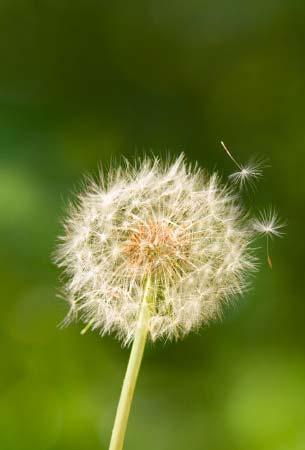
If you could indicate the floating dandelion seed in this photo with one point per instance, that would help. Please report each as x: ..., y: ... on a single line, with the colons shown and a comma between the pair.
x: 269, y: 224
x: 154, y: 251
x: 249, y: 173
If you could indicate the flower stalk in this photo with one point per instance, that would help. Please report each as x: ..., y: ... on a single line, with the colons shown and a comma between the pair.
x: 134, y: 363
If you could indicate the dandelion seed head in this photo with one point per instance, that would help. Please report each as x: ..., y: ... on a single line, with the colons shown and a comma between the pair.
x: 168, y: 221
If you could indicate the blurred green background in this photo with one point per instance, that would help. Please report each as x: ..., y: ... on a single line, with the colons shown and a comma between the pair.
x: 84, y: 82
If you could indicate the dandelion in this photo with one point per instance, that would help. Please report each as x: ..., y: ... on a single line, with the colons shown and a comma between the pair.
x: 172, y: 225
x: 153, y: 251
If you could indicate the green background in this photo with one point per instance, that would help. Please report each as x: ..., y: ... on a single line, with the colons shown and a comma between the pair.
x: 84, y: 82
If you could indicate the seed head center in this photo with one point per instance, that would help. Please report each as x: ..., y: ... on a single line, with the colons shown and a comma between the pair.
x: 154, y: 245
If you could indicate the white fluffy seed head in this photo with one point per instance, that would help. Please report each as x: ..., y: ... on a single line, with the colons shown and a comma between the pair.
x: 171, y: 222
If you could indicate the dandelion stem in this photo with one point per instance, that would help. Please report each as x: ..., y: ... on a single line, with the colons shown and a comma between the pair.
x: 134, y: 363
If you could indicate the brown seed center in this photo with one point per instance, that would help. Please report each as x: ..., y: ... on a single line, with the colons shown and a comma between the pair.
x: 152, y: 246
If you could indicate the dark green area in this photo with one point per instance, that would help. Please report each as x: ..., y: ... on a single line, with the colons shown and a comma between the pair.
x: 84, y: 82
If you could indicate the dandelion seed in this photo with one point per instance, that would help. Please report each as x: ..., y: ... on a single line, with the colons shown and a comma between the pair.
x: 102, y: 237
x: 247, y: 174
x: 269, y: 224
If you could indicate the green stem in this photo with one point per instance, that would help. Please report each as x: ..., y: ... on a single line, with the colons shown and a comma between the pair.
x: 134, y: 363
